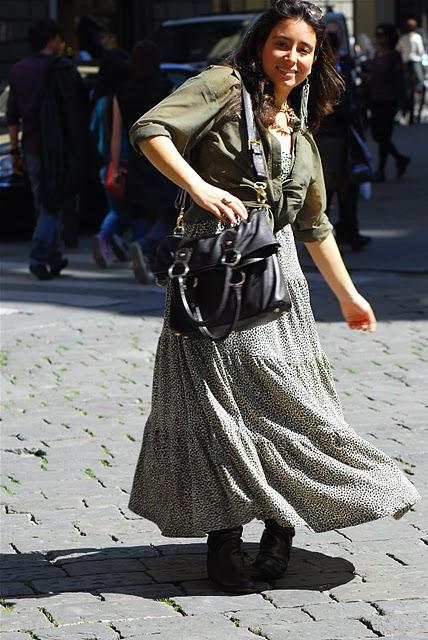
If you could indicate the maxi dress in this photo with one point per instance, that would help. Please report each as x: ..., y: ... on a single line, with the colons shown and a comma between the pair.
x: 252, y: 427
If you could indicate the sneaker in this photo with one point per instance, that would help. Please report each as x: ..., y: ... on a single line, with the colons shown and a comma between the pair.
x: 120, y: 248
x: 101, y: 252
x: 402, y: 164
x: 41, y: 272
x: 140, y: 265
x: 58, y: 265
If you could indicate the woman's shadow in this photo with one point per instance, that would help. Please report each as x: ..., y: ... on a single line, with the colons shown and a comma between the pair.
x: 151, y: 572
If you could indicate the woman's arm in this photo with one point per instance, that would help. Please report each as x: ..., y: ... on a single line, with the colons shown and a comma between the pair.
x: 355, y: 309
x: 116, y: 136
x: 162, y: 153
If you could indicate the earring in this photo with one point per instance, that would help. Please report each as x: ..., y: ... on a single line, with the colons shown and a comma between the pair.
x: 304, y: 100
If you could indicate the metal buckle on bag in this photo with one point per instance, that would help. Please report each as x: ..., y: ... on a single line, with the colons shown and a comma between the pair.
x: 261, y: 195
x: 181, y: 263
x: 231, y: 257
x: 241, y: 281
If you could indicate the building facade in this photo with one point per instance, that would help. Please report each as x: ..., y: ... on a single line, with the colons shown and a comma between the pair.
x: 126, y: 21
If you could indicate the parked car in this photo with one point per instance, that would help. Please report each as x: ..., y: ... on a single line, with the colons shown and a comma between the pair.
x: 204, y: 40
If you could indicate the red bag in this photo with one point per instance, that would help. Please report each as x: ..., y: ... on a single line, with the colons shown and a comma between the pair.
x: 116, y: 187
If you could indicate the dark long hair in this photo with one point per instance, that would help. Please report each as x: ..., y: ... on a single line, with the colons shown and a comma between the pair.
x: 325, y: 82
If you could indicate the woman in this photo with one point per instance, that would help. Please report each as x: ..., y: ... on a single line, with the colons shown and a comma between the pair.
x: 251, y: 427
x: 114, y: 69
x: 385, y: 89
x: 150, y: 196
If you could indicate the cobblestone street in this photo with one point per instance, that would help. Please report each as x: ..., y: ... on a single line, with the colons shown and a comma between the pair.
x: 77, y: 360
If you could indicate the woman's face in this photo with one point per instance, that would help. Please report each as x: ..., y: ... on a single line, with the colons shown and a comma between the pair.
x: 288, y: 54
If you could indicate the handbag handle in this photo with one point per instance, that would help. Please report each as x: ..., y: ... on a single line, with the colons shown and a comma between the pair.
x: 196, y: 317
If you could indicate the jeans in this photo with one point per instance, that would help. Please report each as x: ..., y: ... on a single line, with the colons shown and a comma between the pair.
x: 118, y: 217
x: 150, y: 228
x: 45, y: 241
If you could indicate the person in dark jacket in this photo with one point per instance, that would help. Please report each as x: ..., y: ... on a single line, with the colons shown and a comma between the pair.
x: 45, y: 100
x: 337, y: 146
x: 149, y: 194
x: 385, y: 89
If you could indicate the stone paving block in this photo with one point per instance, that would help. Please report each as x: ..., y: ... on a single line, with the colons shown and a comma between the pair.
x: 341, y: 630
x: 102, y: 566
x: 252, y: 618
x: 176, y: 568
x: 22, y: 617
x: 339, y: 610
x: 387, y: 589
x: 416, y: 622
x: 96, y: 631
x: 133, y: 593
x: 111, y: 610
x: 209, y: 627
x: 207, y: 604
x: 391, y: 607
x: 296, y: 597
x: 10, y: 589
x: 65, y: 557
x: 11, y: 560
x: 12, y: 635
x: 23, y: 573
x: 320, y: 580
x: 92, y: 583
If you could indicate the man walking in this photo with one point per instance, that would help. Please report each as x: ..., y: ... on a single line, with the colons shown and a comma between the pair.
x: 411, y: 47
x: 45, y: 99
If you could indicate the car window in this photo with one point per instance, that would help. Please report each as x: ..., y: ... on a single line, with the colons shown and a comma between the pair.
x: 210, y: 41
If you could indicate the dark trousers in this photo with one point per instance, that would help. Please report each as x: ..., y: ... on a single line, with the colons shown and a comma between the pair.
x: 347, y: 199
x: 382, y: 125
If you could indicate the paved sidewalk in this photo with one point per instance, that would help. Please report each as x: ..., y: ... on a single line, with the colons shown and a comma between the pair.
x: 77, y: 360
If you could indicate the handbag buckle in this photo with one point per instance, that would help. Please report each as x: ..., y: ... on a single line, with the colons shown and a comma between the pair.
x: 231, y: 257
x: 241, y: 281
x: 260, y: 188
x: 181, y: 263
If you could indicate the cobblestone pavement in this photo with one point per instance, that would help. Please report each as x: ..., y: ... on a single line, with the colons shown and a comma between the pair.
x: 77, y: 360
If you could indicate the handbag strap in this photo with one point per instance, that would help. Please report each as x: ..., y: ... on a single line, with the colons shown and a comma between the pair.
x: 254, y: 143
x: 257, y: 154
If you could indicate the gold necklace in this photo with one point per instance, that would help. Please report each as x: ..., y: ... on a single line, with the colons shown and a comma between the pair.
x: 289, y: 114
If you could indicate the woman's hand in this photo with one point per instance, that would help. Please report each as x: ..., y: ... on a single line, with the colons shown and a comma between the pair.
x: 358, y: 313
x: 220, y: 203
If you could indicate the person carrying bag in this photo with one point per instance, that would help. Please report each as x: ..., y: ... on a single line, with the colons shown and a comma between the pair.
x: 230, y: 281
x: 246, y: 423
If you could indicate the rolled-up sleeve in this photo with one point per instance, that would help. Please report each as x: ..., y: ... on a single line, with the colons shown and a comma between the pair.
x: 312, y: 223
x: 189, y: 111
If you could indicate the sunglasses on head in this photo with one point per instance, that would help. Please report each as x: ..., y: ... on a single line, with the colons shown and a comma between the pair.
x: 314, y: 10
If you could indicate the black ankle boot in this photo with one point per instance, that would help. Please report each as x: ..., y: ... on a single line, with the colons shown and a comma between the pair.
x: 225, y: 563
x: 274, y: 552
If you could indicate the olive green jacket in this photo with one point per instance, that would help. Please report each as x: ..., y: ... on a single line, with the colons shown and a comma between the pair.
x: 194, y: 118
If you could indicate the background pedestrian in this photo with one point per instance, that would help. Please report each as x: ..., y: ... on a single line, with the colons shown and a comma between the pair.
x: 339, y: 153
x: 46, y: 99
x: 114, y: 69
x: 411, y: 48
x: 150, y: 196
x: 385, y: 89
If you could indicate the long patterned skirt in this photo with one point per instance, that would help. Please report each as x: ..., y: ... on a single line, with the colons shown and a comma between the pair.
x: 252, y: 427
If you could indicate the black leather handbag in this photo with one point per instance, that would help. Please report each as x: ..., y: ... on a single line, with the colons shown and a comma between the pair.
x: 230, y: 281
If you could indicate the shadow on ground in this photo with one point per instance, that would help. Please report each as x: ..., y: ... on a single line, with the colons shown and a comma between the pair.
x: 151, y: 572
